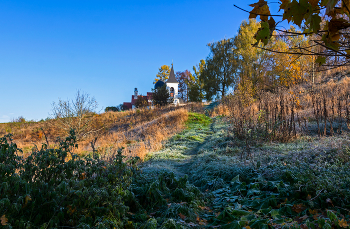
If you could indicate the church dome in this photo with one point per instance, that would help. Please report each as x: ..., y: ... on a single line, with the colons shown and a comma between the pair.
x: 159, y: 84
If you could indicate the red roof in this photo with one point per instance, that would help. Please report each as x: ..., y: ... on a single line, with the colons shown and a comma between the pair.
x: 133, y: 100
x: 128, y: 105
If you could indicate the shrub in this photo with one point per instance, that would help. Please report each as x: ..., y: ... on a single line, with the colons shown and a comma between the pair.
x: 77, y: 114
x: 20, y: 119
x: 114, y: 109
x: 56, y: 188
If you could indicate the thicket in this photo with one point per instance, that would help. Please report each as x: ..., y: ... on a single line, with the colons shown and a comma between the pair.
x: 286, y: 114
x: 56, y: 188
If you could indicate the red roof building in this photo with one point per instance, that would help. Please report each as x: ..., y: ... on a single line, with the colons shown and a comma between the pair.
x: 134, y: 98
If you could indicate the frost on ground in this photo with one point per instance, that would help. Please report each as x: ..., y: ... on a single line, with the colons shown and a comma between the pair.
x: 204, y: 177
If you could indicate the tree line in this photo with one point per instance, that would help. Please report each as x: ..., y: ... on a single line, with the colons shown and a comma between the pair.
x: 235, y: 64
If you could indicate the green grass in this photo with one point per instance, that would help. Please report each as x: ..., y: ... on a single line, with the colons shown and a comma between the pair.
x: 196, y: 120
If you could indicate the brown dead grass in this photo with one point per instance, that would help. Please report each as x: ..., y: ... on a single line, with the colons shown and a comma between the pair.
x: 322, y: 108
x: 220, y: 110
x: 146, y: 136
x: 138, y: 131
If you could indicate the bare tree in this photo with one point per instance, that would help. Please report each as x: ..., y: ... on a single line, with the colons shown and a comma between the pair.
x: 77, y: 114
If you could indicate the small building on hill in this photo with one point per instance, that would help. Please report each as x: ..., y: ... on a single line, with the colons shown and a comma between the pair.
x: 136, y: 96
x: 172, y: 85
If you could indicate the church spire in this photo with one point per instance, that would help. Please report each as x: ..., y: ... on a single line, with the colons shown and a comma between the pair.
x: 172, y: 78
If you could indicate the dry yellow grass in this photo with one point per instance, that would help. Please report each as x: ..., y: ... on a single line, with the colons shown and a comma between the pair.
x: 321, y: 108
x: 147, y: 136
x: 221, y: 109
x: 138, y: 131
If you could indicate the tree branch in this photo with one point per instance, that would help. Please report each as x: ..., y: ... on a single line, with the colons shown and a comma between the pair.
x: 256, y: 13
x: 297, y: 53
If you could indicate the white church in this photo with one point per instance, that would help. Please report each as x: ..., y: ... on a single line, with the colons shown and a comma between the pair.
x: 171, y: 84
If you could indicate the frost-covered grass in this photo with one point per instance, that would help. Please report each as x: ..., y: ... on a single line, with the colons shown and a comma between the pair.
x: 304, y: 183
x: 180, y: 148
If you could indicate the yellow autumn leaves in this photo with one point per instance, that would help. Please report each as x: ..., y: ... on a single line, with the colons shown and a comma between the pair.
x: 3, y: 220
x: 329, y: 19
x: 260, y: 9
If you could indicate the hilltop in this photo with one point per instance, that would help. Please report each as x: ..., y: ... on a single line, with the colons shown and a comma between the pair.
x: 281, y: 161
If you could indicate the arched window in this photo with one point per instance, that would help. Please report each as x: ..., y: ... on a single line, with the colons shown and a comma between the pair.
x: 172, y: 92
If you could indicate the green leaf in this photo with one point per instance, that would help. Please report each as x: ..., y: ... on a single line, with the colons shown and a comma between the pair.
x: 332, y: 216
x: 330, y: 5
x: 298, y: 14
x: 263, y: 33
x: 236, y: 179
x: 253, y: 191
x: 292, y: 8
x: 274, y: 213
x: 261, y: 224
x: 310, y: 224
x: 321, y: 222
x: 327, y: 226
x: 321, y: 60
x: 315, y: 21
x: 239, y: 212
x: 265, y: 210
x: 233, y: 225
x: 332, y: 45
x: 225, y: 215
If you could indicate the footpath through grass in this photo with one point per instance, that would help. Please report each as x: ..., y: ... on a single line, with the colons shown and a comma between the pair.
x: 203, y: 179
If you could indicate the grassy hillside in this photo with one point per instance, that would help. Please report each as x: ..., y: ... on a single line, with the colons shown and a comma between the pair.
x: 272, y: 187
x: 138, y: 131
x: 282, y: 161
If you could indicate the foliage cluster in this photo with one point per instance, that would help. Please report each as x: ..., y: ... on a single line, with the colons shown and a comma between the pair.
x: 161, y: 96
x: 163, y: 73
x: 233, y: 64
x: 141, y: 101
x: 327, y: 21
x: 114, y: 109
x: 57, y: 188
x: 272, y: 189
x: 120, y: 107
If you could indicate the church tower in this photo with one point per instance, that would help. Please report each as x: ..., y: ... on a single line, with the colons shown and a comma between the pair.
x: 173, y: 86
x: 136, y: 93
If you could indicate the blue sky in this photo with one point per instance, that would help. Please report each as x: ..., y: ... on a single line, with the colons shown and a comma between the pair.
x: 51, y: 49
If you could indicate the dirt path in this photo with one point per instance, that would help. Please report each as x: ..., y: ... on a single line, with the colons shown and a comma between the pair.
x: 180, y: 152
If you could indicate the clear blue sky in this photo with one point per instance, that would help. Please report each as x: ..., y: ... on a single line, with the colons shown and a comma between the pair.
x: 50, y: 49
